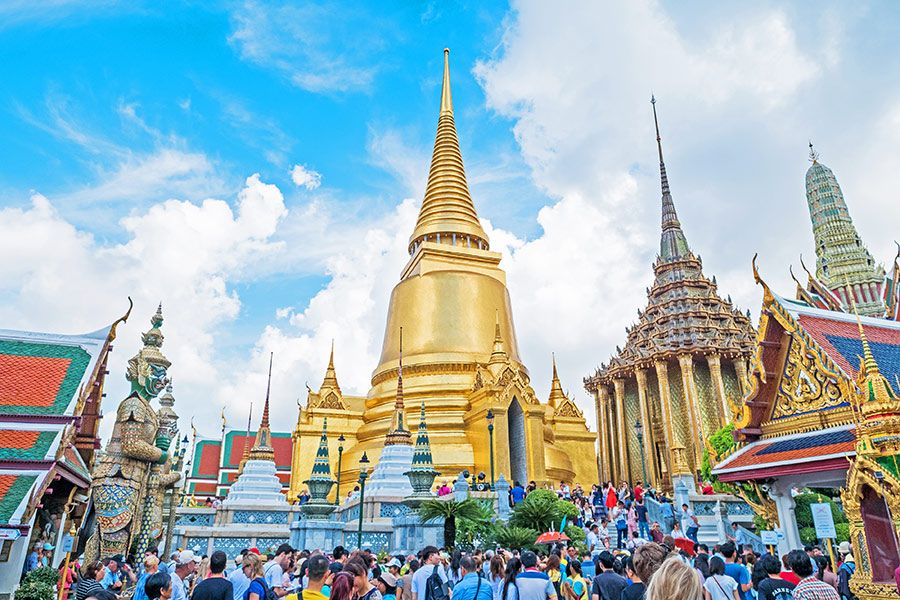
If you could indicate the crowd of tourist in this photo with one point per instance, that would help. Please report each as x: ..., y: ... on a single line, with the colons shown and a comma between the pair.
x: 626, y: 555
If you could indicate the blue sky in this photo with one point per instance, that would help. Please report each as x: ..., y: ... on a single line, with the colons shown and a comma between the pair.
x: 133, y: 134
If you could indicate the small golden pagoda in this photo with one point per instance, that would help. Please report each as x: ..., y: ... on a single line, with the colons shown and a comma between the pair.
x: 682, y: 363
x: 460, y: 354
x: 871, y: 497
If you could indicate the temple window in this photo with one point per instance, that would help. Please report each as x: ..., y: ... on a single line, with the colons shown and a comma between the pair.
x: 881, y: 538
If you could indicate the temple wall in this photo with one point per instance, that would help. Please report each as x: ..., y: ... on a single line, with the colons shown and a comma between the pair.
x: 632, y: 414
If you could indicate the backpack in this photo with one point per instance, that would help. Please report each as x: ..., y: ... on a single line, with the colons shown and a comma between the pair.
x: 268, y: 593
x: 435, y: 587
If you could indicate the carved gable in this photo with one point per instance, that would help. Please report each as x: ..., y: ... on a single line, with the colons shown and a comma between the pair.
x: 807, y: 385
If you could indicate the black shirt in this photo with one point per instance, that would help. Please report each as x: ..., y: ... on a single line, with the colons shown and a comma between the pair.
x: 214, y: 588
x: 769, y: 587
x: 635, y: 591
x: 608, y: 585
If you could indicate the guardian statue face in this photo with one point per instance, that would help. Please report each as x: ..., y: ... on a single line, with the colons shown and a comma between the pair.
x: 147, y: 370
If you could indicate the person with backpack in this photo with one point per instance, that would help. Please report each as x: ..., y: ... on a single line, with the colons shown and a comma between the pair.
x: 620, y: 517
x: 273, y: 571
x: 846, y: 571
x: 430, y: 582
x: 773, y: 587
x: 253, y: 569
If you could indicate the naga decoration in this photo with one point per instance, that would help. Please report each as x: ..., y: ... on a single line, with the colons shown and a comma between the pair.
x: 140, y: 439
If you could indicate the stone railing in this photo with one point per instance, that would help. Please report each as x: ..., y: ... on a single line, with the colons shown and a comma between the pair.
x: 195, y: 517
x: 754, y: 540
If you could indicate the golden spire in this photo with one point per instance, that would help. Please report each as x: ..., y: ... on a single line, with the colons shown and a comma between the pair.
x: 877, y: 393
x: 262, y: 447
x: 499, y: 353
x: 246, y: 453
x: 557, y: 396
x: 330, y: 382
x: 399, y: 434
x: 448, y: 214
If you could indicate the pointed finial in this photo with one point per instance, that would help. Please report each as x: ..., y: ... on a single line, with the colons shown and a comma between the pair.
x: 331, y: 355
x: 813, y: 155
x: 446, y: 99
x: 398, y: 434
x: 664, y: 179
x: 868, y: 358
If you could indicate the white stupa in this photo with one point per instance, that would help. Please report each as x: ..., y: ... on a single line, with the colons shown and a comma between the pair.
x: 258, y: 484
x: 389, y: 479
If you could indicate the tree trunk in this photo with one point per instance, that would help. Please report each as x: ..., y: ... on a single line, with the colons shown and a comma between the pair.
x: 450, y: 532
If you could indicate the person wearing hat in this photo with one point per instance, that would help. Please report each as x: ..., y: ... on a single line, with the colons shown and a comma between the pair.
x: 186, y: 564
x: 387, y: 585
x: 116, y: 572
x: 845, y: 571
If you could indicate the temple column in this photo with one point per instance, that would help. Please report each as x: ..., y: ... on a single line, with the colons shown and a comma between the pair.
x: 620, y: 428
x: 665, y: 400
x: 715, y: 373
x: 696, y: 445
x: 649, y: 442
x: 603, y: 431
x: 787, y: 518
x: 740, y: 368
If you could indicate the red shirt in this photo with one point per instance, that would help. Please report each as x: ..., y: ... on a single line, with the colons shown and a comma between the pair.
x: 789, y: 576
x: 707, y: 490
x: 638, y: 492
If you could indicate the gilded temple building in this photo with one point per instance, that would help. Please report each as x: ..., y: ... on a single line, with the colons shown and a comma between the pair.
x: 684, y: 362
x: 460, y: 355
x: 844, y: 266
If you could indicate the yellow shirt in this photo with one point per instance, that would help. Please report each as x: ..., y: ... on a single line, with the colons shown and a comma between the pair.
x: 312, y: 595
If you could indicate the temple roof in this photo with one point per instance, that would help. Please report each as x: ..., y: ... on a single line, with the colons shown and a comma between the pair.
x: 684, y: 312
x: 447, y: 209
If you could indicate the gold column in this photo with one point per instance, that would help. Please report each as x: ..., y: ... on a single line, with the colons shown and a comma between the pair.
x: 620, y: 428
x: 603, y: 432
x: 695, y: 444
x: 740, y: 368
x: 665, y: 401
x: 649, y: 442
x: 715, y: 373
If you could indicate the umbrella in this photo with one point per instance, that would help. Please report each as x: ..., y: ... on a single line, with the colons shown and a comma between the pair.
x: 685, y: 544
x: 551, y: 537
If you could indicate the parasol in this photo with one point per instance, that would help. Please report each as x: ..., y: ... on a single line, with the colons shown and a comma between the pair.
x: 551, y: 537
x: 685, y: 544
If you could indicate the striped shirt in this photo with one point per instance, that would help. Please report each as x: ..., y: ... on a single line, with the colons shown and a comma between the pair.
x: 812, y: 588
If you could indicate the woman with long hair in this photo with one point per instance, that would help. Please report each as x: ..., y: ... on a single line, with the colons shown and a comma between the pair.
x: 701, y: 563
x: 510, y: 589
x: 552, y: 571
x: 611, y: 497
x: 718, y: 585
x: 361, y: 584
x: 674, y: 579
x: 574, y: 587
x: 342, y: 586
x: 253, y: 569
x: 496, y: 574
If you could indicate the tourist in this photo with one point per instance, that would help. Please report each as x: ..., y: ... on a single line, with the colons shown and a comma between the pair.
x: 619, y: 517
x: 172, y: 563
x: 387, y: 586
x: 117, y: 573
x: 318, y: 577
x: 701, y: 565
x: 215, y: 586
x: 444, y: 490
x: 552, y: 571
x: 531, y: 584
x: 824, y: 572
x: 151, y: 567
x: 677, y: 533
x: 362, y: 587
x: 405, y: 582
x: 786, y: 572
x: 430, y: 559
x: 253, y: 569
x: 608, y: 584
x: 668, y: 514
x: 91, y: 575
x: 303, y: 497
x: 574, y: 587
x: 738, y: 536
x: 34, y: 558
x: 638, y: 491
x: 674, y: 579
x: 158, y: 587
x: 656, y: 533
x: 846, y: 571
x: 341, y: 586
x: 510, y: 587
x: 201, y: 573
x: 238, y: 578
x: 275, y: 568
x: 611, y: 497
x: 735, y: 570
x: 187, y: 564
x: 689, y: 523
x: 810, y: 587
x: 719, y: 585
x: 773, y: 587
x: 641, y: 512
x: 707, y: 489
x: 635, y: 542
x: 495, y: 575
x: 631, y: 519
x: 471, y: 586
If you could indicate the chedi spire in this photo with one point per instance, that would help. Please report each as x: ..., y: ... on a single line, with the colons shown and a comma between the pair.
x: 673, y: 244
x: 262, y: 447
x: 448, y: 213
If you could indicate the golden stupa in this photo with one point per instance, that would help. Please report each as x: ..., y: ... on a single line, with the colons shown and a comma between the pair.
x: 460, y: 357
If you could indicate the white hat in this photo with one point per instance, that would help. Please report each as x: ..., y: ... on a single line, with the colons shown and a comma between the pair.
x: 393, y: 563
x: 186, y: 556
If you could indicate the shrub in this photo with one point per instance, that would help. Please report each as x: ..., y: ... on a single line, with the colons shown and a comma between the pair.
x: 542, y: 510
x: 808, y: 535
x: 516, y: 538
x: 804, y: 513
x: 35, y: 590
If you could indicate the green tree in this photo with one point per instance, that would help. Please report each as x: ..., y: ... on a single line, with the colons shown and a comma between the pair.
x: 479, y: 532
x: 39, y: 584
x: 452, y: 512
x: 542, y: 510
x: 516, y: 538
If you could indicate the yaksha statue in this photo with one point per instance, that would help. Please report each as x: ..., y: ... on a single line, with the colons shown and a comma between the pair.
x: 121, y: 476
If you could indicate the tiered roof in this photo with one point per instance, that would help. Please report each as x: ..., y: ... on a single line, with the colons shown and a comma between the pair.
x: 684, y: 312
x: 47, y: 382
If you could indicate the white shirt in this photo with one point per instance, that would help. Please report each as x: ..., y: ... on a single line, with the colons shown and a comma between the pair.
x: 421, y: 576
x: 274, y: 575
x: 687, y: 519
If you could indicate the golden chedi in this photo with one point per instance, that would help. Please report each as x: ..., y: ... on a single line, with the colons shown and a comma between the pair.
x: 460, y: 355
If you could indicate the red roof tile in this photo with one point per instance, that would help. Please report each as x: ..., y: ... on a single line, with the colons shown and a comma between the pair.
x: 31, y: 380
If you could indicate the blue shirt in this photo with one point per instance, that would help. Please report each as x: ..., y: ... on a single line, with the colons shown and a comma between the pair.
x: 109, y: 579
x: 531, y: 585
x: 32, y: 561
x: 470, y: 584
x: 518, y: 494
x: 139, y: 593
x: 588, y: 570
x: 178, y: 592
x: 239, y: 583
x: 256, y: 587
x: 740, y: 574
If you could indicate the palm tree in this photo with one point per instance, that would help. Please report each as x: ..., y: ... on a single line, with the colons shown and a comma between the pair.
x: 450, y: 511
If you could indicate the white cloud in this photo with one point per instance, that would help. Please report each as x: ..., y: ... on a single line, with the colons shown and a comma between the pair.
x: 305, y: 177
x: 185, y: 254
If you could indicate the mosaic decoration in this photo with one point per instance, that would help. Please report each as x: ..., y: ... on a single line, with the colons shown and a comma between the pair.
x: 197, y: 544
x: 196, y: 520
x: 231, y: 546
x: 741, y: 509
x: 260, y: 516
x: 13, y: 490
x: 17, y: 444
x: 704, y: 509
x: 376, y: 541
x: 270, y: 544
x: 632, y: 414
x: 393, y: 510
